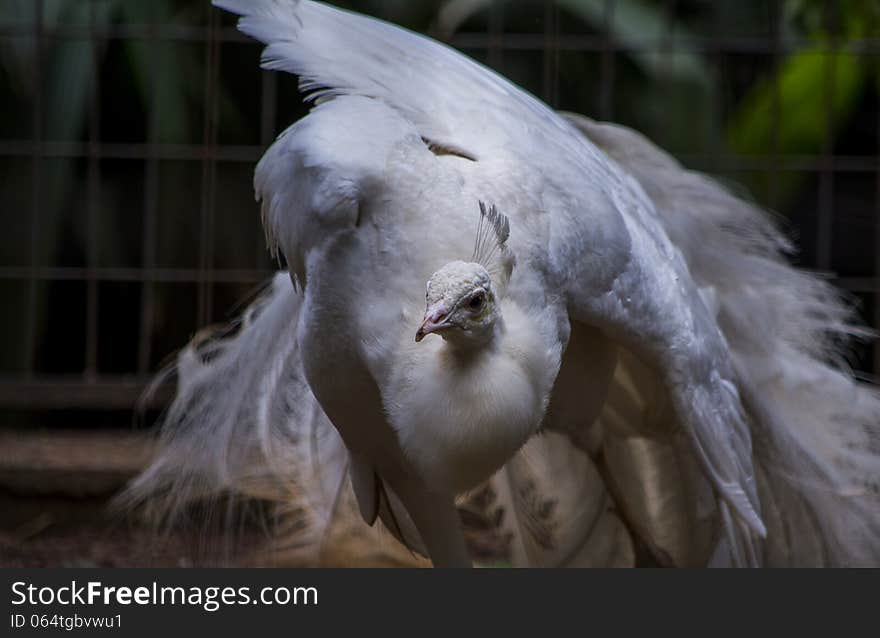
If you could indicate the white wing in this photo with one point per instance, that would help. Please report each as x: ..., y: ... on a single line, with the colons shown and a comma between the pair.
x: 815, y: 428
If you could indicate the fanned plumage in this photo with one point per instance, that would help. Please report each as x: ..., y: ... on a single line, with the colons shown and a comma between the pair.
x: 718, y: 443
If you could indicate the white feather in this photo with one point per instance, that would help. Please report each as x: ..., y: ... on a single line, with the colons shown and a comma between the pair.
x: 816, y: 430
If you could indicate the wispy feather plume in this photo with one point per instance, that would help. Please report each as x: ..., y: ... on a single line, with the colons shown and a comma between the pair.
x: 490, y: 245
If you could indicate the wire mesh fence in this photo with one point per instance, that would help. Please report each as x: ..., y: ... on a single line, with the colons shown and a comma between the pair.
x: 131, y: 129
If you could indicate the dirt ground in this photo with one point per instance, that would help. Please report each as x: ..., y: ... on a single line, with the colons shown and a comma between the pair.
x: 47, y: 540
x: 55, y: 489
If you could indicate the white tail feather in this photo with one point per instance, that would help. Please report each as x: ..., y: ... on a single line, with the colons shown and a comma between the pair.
x: 244, y: 422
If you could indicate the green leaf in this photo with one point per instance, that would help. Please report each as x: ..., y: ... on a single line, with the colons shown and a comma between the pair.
x: 811, y: 83
x: 811, y: 91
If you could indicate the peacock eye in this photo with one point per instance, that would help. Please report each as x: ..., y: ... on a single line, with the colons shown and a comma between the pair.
x: 476, y: 302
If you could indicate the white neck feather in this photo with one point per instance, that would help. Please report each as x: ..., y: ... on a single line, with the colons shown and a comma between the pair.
x: 462, y: 406
x: 465, y: 345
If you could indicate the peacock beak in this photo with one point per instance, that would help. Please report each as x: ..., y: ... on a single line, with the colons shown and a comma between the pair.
x: 435, y: 319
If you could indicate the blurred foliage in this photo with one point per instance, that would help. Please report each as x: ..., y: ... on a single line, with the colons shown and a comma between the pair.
x: 629, y: 23
x: 796, y: 108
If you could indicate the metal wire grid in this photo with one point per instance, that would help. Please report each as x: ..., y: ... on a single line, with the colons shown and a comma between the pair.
x: 91, y: 389
x: 94, y: 390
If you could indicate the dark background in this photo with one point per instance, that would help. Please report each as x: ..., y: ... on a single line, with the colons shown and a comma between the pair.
x: 129, y: 131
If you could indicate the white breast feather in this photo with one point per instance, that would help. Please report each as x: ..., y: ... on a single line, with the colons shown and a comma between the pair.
x: 458, y: 423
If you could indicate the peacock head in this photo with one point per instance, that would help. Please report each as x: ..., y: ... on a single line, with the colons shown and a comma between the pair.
x: 461, y: 304
x: 462, y: 299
